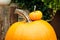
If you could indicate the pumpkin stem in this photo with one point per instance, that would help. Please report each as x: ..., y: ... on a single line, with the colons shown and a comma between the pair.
x: 34, y: 7
x: 24, y: 14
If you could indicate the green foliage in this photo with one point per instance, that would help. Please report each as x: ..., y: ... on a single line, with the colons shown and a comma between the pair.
x: 45, y: 6
x: 54, y: 4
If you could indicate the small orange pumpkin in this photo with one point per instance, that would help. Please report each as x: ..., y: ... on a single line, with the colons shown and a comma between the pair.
x: 36, y: 15
x: 35, y: 30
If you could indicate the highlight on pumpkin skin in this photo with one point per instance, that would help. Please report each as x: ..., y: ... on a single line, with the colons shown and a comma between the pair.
x: 35, y: 15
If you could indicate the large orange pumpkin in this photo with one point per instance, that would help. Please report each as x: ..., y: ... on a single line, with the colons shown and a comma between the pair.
x: 35, y: 30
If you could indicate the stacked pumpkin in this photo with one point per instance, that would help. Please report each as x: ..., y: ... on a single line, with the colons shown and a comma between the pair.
x: 37, y: 29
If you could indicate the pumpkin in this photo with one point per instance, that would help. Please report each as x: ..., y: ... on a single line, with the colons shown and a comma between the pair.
x: 36, y: 15
x: 34, y: 30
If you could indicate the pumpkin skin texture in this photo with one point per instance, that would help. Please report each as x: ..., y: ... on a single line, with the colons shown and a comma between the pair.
x: 36, y: 30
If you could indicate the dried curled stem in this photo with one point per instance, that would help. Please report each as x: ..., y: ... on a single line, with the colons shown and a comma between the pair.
x: 23, y: 13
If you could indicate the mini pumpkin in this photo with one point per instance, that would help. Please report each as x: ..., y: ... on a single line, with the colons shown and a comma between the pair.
x: 36, y: 15
x: 34, y: 30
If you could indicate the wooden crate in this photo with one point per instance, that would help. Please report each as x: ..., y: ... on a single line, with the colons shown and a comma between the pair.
x: 7, y: 17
